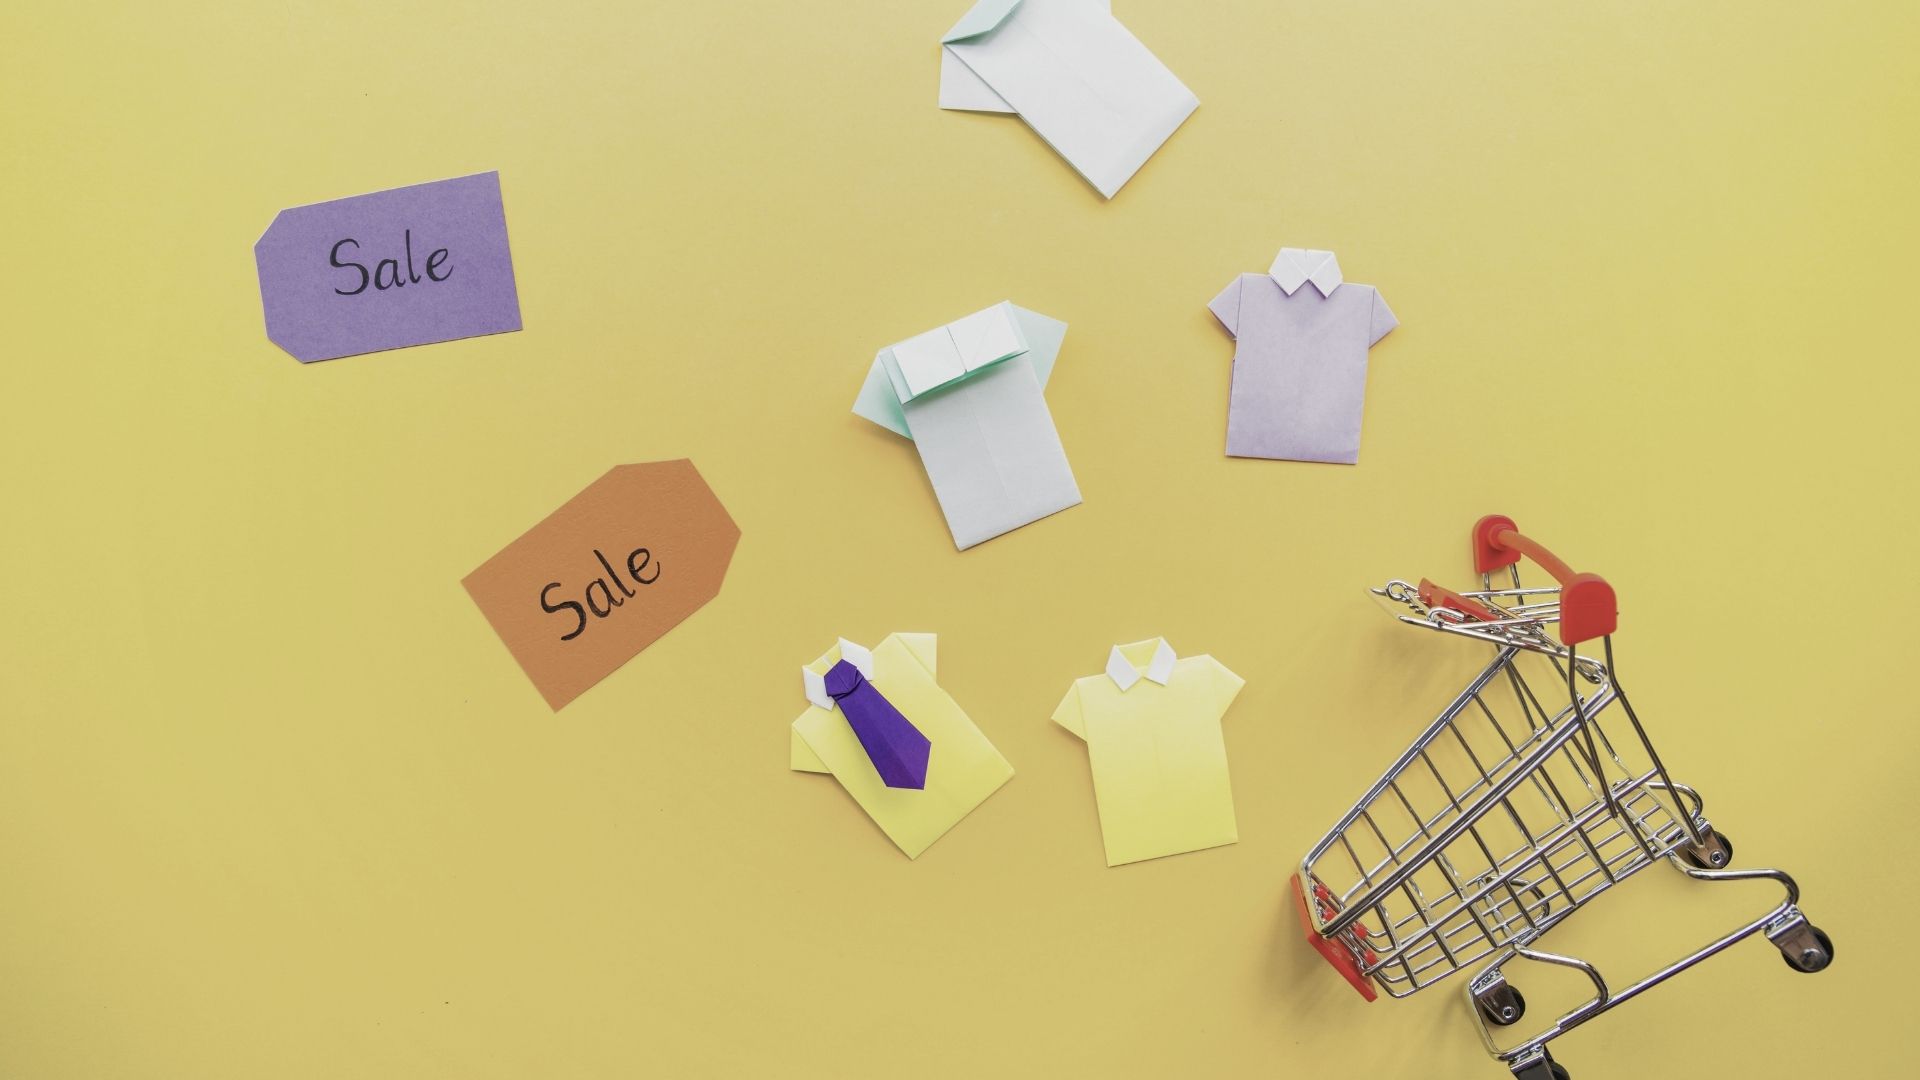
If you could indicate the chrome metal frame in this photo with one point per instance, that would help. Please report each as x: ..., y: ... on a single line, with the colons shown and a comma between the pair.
x: 1504, y: 817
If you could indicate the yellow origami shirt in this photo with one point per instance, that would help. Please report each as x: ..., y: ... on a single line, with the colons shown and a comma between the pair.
x: 963, y: 768
x: 1152, y: 726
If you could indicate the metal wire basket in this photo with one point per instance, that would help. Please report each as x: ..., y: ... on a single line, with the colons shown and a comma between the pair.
x: 1535, y: 790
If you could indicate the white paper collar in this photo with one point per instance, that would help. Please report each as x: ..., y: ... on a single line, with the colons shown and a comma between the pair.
x: 1159, y: 669
x: 815, y: 683
x: 1294, y: 267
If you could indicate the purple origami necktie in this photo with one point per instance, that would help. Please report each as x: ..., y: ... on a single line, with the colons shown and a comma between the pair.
x: 898, y: 750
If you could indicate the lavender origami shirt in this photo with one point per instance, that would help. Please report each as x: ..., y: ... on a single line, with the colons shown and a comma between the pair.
x: 1300, y: 358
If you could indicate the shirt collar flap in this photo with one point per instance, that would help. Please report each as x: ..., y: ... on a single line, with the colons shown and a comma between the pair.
x: 985, y: 16
x: 1153, y: 658
x: 1294, y: 267
x: 947, y: 354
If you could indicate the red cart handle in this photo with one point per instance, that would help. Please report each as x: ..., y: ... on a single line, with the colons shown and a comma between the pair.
x: 1588, y: 607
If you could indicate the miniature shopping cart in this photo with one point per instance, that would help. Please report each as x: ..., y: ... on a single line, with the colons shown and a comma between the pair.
x: 1534, y: 791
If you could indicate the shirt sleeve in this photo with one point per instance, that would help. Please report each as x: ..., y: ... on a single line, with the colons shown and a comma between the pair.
x: 1226, y: 307
x: 1069, y: 715
x: 1226, y: 684
x: 1383, y: 320
x: 877, y: 401
x: 925, y: 648
x: 800, y: 756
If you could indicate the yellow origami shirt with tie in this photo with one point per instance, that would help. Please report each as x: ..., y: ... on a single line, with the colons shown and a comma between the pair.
x: 963, y: 768
x: 1151, y: 722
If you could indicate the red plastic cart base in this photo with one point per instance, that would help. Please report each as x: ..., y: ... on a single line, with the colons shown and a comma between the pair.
x: 1336, y: 954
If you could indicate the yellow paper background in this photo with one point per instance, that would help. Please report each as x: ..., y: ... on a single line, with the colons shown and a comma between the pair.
x: 274, y: 802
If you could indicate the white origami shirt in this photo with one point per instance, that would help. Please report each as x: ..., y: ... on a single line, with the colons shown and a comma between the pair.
x: 969, y: 395
x: 1074, y: 74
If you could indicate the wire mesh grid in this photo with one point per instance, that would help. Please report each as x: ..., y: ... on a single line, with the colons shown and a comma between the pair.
x: 1501, y: 820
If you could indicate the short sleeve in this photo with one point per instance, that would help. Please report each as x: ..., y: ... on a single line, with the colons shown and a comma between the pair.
x: 878, y: 403
x: 925, y: 648
x: 1226, y: 306
x: 800, y: 756
x: 1070, y: 715
x: 1383, y: 320
x: 1226, y: 684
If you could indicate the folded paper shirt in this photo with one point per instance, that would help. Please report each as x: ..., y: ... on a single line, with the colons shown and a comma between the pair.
x: 1152, y: 727
x: 1300, y: 358
x: 962, y: 769
x: 969, y: 395
x: 1074, y: 74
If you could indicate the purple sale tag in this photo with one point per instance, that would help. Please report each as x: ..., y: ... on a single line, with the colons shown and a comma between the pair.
x: 390, y: 269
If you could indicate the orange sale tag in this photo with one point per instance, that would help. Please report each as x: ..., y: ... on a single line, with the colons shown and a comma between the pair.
x: 606, y: 575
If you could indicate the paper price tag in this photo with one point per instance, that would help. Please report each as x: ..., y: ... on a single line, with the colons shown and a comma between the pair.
x: 387, y: 270
x: 606, y: 575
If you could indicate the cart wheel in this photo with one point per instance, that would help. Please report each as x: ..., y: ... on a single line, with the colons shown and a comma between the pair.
x: 1496, y: 1014
x: 1715, y: 854
x: 1542, y: 1070
x: 1809, y: 959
